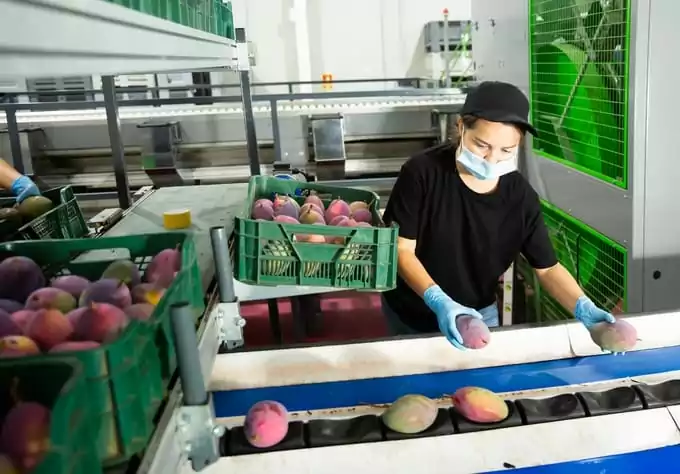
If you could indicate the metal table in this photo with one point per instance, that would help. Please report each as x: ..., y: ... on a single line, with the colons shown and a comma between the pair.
x: 210, y: 206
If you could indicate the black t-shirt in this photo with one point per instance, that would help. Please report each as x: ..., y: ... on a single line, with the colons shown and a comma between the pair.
x: 465, y: 240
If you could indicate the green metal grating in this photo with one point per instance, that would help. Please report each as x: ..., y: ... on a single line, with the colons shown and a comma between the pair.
x: 579, y: 84
x: 598, y: 264
x: 212, y: 16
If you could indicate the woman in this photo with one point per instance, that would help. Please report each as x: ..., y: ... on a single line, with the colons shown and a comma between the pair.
x: 464, y: 215
x: 21, y: 186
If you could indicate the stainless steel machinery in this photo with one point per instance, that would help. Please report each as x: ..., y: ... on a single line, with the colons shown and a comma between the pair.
x: 604, y: 105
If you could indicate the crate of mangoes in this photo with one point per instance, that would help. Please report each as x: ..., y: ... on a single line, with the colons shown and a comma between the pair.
x: 106, y: 302
x: 55, y: 214
x: 294, y: 233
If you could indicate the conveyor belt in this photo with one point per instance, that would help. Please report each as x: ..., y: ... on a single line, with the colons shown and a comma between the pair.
x: 502, y: 379
x: 568, y: 406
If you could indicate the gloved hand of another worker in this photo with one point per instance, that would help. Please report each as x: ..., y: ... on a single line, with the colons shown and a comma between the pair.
x: 447, y: 311
x: 589, y: 314
x: 24, y: 187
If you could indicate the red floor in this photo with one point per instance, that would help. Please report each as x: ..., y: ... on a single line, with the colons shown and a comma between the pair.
x: 345, y: 316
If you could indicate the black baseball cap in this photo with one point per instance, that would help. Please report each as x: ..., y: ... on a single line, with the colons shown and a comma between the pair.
x: 499, y: 102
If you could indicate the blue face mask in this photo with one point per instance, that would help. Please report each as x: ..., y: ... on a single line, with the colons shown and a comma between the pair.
x: 482, y: 169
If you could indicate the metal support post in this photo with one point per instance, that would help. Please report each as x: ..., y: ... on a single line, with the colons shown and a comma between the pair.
x: 227, y: 310
x: 249, y: 118
x: 247, y: 101
x: 117, y: 149
x: 196, y: 422
x: 276, y: 131
x: 14, y: 141
x: 508, y: 288
x: 446, y: 55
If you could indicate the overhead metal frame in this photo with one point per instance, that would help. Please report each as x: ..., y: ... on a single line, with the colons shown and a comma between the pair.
x: 275, y: 102
x: 83, y: 37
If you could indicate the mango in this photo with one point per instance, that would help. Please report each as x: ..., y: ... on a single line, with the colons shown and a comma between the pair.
x: 620, y: 336
x: 310, y: 215
x: 315, y: 200
x: 286, y: 206
x: 7, y: 466
x: 474, y: 331
x: 20, y: 276
x: 25, y: 435
x: 49, y: 327
x: 111, y: 291
x: 51, y: 298
x: 22, y: 317
x: 34, y: 207
x: 338, y: 220
x: 102, y: 322
x: 8, y: 327
x: 359, y: 224
x: 311, y: 205
x: 357, y: 205
x: 123, y: 270
x: 17, y: 346
x: 73, y: 284
x: 147, y: 293
x: 10, y: 306
x: 311, y: 238
x: 480, y: 405
x: 164, y: 267
x: 336, y: 208
x: 266, y: 424
x: 410, y: 414
x: 75, y: 346
x: 362, y: 215
x: 286, y: 220
x: 140, y: 311
x: 11, y: 216
x: 263, y: 209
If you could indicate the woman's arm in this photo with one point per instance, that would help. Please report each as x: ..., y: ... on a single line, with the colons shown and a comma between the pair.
x: 410, y: 269
x: 556, y: 280
x: 7, y: 175
x: 561, y: 285
x: 21, y: 186
x: 404, y: 208
x: 539, y: 252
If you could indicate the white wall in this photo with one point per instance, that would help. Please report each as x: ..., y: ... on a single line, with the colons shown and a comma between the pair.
x: 350, y: 39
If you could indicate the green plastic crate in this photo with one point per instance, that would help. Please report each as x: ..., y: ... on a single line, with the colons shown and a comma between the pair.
x: 597, y: 263
x: 579, y: 84
x: 64, y: 221
x: 126, y: 378
x: 267, y: 253
x: 60, y: 386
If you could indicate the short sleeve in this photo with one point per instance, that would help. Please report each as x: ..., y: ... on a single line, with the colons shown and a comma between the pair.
x: 537, y: 247
x: 406, y: 199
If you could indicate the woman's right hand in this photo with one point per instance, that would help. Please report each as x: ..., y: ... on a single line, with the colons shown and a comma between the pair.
x: 447, y: 310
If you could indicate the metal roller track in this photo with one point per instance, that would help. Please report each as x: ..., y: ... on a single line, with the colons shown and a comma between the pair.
x: 349, y: 106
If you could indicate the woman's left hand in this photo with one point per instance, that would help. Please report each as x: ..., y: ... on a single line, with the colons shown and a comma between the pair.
x: 589, y: 314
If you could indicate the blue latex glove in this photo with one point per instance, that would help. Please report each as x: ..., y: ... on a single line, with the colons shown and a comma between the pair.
x: 24, y: 187
x: 447, y: 311
x: 589, y: 314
